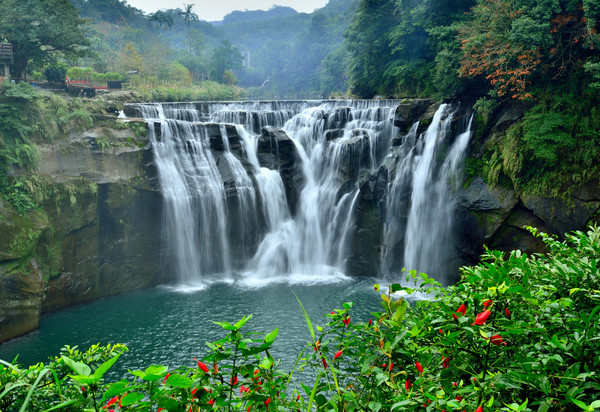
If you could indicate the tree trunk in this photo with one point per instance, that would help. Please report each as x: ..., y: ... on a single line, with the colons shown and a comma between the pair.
x: 20, y: 67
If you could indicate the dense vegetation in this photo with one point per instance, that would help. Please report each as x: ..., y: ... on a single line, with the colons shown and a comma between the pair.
x: 517, y: 333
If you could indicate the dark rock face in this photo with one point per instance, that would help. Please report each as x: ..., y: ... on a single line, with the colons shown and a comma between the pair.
x: 97, y: 233
x: 496, y: 217
x: 277, y: 151
x: 365, y: 245
x: 411, y: 110
x: 21, y: 293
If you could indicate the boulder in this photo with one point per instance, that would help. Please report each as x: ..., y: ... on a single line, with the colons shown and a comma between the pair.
x: 562, y: 216
x: 410, y: 111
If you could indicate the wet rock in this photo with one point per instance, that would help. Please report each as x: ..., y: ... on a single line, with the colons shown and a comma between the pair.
x: 355, y: 153
x: 338, y: 118
x: 410, y: 111
x: 21, y: 292
x: 364, y: 258
x: 214, y: 131
x: 278, y: 152
x: 480, y: 212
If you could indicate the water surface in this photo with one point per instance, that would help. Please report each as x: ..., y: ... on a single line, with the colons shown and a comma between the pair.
x: 170, y: 326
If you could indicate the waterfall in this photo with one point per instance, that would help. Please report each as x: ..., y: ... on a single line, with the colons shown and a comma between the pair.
x: 334, y: 143
x: 194, y: 195
x: 267, y: 191
x: 421, y: 199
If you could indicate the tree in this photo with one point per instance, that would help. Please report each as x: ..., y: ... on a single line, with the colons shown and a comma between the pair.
x: 131, y: 59
x: 369, y: 50
x: 162, y: 19
x: 188, y: 14
x: 225, y: 57
x: 42, y: 31
x: 512, y: 42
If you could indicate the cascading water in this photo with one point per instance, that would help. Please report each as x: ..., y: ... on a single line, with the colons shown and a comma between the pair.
x: 230, y: 207
x: 194, y: 194
x: 421, y: 203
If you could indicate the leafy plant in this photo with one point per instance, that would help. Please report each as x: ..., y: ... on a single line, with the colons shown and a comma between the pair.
x: 517, y: 333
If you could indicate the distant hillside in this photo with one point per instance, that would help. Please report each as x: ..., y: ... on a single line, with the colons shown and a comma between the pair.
x: 250, y: 15
x: 287, y: 54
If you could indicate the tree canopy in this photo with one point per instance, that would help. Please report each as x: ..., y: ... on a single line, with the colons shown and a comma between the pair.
x: 41, y: 31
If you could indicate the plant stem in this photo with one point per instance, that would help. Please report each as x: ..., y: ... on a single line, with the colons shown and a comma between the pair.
x: 94, y: 399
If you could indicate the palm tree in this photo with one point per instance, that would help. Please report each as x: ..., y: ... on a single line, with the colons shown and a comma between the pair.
x: 188, y: 14
x: 162, y: 19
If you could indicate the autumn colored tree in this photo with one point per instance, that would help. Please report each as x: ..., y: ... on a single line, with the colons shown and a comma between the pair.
x: 512, y: 42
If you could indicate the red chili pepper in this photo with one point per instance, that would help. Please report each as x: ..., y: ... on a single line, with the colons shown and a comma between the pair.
x: 201, y: 366
x: 482, y: 317
x: 419, y: 367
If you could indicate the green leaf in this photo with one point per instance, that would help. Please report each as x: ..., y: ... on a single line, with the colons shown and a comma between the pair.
x: 131, y: 398
x: 115, y: 389
x: 180, y: 381
x: 102, y: 369
x: 306, y: 318
x: 242, y: 322
x: 78, y: 367
x: 225, y: 325
x: 581, y: 405
x: 84, y: 380
x: 314, y: 389
x: 272, y: 336
x: 62, y: 405
x: 375, y: 406
x: 32, y: 389
x: 595, y: 404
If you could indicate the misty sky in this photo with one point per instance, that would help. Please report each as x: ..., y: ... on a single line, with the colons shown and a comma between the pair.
x: 212, y: 10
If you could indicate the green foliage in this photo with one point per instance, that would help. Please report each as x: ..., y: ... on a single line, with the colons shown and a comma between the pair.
x: 173, y: 92
x: 56, y: 72
x: 27, y: 116
x: 551, y: 151
x: 41, y: 31
x: 226, y: 57
x: 517, y: 44
x: 175, y: 72
x: 516, y: 333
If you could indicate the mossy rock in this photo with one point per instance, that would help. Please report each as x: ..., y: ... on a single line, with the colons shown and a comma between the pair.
x: 19, y: 234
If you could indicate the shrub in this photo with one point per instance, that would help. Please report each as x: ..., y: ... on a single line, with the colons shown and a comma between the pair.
x: 517, y: 333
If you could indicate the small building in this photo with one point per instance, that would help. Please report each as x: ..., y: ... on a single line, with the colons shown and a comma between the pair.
x: 6, y: 59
